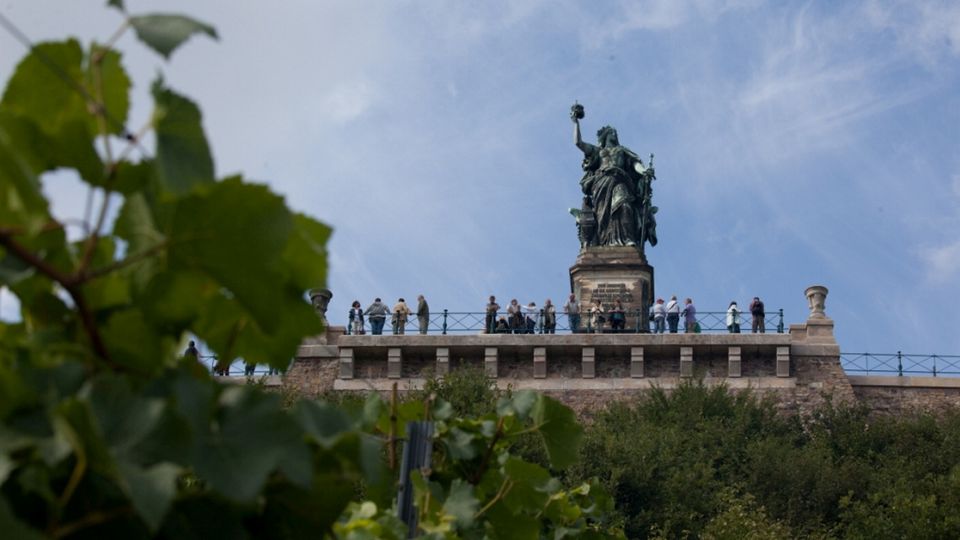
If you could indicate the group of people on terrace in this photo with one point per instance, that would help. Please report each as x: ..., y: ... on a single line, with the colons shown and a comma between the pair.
x: 399, y: 316
x: 529, y: 318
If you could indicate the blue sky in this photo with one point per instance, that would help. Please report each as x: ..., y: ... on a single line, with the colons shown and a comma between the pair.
x: 796, y: 143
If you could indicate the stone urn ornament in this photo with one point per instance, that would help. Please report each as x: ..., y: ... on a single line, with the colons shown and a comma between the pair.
x: 817, y: 297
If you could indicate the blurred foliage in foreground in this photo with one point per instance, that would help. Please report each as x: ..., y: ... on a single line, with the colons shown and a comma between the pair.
x: 106, y: 433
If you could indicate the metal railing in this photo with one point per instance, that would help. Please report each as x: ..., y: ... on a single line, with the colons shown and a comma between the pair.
x: 900, y: 364
x: 455, y: 322
x: 237, y: 368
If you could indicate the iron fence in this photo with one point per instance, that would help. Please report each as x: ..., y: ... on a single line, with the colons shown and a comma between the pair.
x: 457, y: 322
x: 237, y: 368
x: 900, y: 364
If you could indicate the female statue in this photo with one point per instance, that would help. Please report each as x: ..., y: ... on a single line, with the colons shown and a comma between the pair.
x: 617, y: 185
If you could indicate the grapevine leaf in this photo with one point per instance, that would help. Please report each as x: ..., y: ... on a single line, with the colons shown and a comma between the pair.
x: 255, y: 437
x: 295, y: 512
x: 519, y: 404
x: 45, y: 86
x: 183, y: 155
x: 560, y: 430
x: 461, y: 503
x: 22, y: 154
x: 164, y: 33
x: 529, y: 481
x: 124, y: 417
x: 322, y: 421
x: 305, y: 254
x: 76, y: 421
x: 151, y: 490
x: 113, y: 88
x: 218, y: 232
x: 131, y: 178
x: 504, y: 524
x: 133, y: 341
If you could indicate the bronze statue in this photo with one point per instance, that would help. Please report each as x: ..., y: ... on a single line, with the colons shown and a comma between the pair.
x: 617, y: 204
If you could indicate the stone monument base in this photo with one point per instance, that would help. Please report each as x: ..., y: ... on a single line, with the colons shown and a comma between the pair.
x: 608, y: 273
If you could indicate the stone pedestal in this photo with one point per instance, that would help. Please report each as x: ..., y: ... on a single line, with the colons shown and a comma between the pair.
x: 608, y: 273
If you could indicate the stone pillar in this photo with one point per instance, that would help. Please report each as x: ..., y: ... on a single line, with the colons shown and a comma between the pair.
x: 490, y: 362
x: 733, y: 362
x: 443, y: 361
x: 686, y: 361
x: 540, y: 363
x: 346, y: 363
x: 394, y: 362
x: 783, y: 361
x: 636, y: 362
x: 588, y: 364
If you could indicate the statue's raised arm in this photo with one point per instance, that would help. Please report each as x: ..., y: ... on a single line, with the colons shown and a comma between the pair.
x: 576, y: 113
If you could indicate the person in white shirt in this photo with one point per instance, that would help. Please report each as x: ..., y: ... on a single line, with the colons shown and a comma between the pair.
x: 673, y: 314
x: 659, y: 314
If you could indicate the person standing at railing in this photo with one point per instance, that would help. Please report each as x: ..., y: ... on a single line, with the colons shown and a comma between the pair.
x: 659, y: 316
x: 689, y: 317
x: 673, y: 314
x: 502, y: 326
x: 596, y: 317
x: 423, y: 314
x: 733, y: 318
x: 377, y: 312
x: 618, y: 318
x: 356, y: 318
x: 491, y: 320
x: 515, y: 315
x: 572, y: 309
x: 531, y: 317
x: 758, y: 315
x: 549, y: 317
x: 401, y: 313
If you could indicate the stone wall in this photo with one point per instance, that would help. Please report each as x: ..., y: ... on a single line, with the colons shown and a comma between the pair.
x: 907, y: 395
x: 812, y: 373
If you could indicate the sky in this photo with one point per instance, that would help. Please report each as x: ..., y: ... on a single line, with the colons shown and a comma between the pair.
x: 796, y: 143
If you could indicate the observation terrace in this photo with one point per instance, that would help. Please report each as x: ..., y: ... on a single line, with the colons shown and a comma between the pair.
x: 800, y: 365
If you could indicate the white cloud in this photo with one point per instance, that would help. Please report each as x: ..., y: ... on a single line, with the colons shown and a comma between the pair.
x: 348, y: 101
x: 926, y: 28
x: 943, y: 262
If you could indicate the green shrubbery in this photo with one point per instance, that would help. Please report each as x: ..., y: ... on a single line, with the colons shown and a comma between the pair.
x: 698, y: 460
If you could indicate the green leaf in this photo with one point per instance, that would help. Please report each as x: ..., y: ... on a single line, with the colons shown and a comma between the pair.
x: 322, y: 421
x: 529, y: 485
x: 255, y: 437
x: 461, y: 503
x: 164, y: 33
x: 113, y: 88
x: 151, y: 490
x: 22, y: 155
x: 560, y: 430
x: 45, y: 86
x: 124, y: 417
x: 183, y: 155
x: 519, y: 404
x: 133, y: 342
x: 306, y: 253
